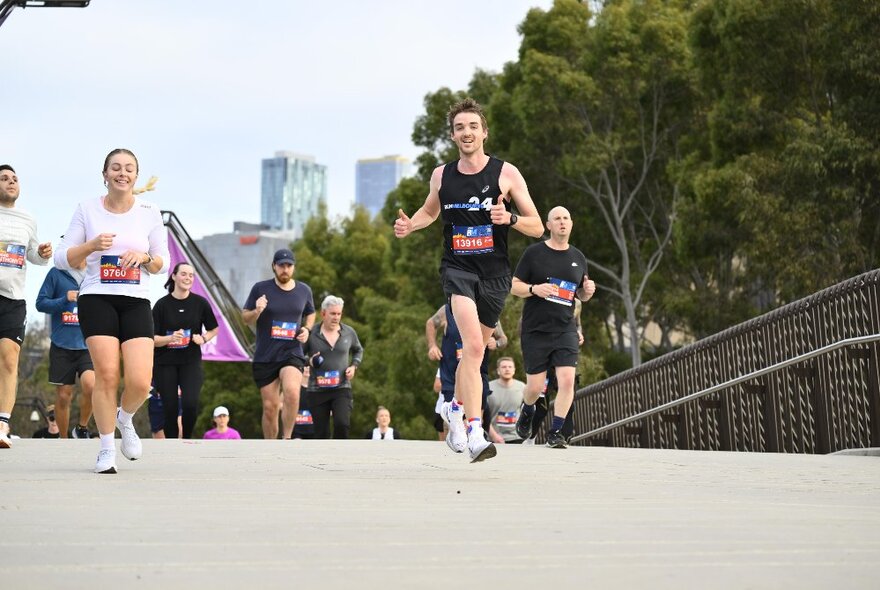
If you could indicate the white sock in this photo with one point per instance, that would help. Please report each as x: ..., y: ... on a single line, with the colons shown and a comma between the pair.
x: 107, y: 442
x: 124, y: 417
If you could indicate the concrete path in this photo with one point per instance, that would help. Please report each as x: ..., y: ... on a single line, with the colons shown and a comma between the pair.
x: 412, y: 515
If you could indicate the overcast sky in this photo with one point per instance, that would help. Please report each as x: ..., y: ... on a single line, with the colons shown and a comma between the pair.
x: 202, y: 90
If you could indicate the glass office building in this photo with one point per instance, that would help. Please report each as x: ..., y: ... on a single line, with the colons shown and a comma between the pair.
x: 292, y: 187
x: 376, y: 177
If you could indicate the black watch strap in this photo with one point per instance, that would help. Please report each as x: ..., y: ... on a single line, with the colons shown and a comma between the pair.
x: 513, y: 219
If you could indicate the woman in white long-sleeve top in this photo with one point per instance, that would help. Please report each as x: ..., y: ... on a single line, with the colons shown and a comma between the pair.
x: 122, y: 241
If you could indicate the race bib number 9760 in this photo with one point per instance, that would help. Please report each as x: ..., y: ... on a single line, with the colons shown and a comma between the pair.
x: 113, y: 272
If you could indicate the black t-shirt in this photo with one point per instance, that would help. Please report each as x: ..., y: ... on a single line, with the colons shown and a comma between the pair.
x: 279, y: 323
x: 190, y: 314
x: 565, y: 268
x: 471, y: 242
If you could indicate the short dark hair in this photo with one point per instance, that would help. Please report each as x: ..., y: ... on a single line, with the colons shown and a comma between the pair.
x: 7, y: 167
x: 468, y: 105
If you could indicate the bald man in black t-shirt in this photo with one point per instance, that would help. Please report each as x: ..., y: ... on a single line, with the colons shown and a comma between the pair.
x: 549, y: 276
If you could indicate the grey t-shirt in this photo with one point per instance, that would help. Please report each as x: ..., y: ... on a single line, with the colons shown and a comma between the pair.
x: 504, y: 406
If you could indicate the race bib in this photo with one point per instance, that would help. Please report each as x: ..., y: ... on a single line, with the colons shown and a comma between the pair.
x: 184, y: 342
x: 477, y: 239
x: 458, y: 351
x: 564, y: 291
x: 284, y: 330
x: 12, y: 255
x: 70, y: 318
x: 328, y: 379
x: 505, y: 418
x: 304, y: 418
x: 112, y: 272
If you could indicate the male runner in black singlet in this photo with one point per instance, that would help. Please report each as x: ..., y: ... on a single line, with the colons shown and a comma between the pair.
x: 474, y: 195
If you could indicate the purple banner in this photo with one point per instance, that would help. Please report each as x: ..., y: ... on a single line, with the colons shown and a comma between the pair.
x: 225, y: 347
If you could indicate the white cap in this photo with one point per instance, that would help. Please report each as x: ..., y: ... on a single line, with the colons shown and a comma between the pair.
x: 221, y: 411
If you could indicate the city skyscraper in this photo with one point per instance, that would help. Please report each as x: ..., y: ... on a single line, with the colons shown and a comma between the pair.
x: 376, y: 177
x: 292, y: 187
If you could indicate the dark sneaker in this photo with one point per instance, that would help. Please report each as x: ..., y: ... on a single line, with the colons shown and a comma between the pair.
x: 555, y: 440
x: 524, y: 423
x: 80, y: 432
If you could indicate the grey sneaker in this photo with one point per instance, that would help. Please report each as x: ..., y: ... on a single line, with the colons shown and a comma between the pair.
x: 131, y: 442
x: 106, y: 461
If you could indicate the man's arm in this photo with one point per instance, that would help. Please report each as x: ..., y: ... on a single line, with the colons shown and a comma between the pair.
x: 428, y: 212
x: 434, y: 322
x: 514, y: 185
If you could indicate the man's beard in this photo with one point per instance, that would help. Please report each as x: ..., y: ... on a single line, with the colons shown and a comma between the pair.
x: 283, y: 279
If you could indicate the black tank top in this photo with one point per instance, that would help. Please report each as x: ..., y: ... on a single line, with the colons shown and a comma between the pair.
x: 470, y: 241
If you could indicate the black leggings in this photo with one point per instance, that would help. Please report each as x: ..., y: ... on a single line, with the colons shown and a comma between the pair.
x: 338, y: 401
x: 189, y: 378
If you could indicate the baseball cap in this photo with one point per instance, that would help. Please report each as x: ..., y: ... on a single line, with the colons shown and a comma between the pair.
x: 284, y: 256
x: 221, y: 411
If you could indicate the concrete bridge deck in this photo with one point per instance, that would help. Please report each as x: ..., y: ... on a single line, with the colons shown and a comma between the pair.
x: 363, y: 514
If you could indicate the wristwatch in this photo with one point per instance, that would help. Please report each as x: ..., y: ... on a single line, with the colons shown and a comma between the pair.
x: 530, y: 290
x: 149, y: 259
x: 513, y: 219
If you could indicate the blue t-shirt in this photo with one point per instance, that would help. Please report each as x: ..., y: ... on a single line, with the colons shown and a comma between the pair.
x: 52, y: 299
x: 279, y: 323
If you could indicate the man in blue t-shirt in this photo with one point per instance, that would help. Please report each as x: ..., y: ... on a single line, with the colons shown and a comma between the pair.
x: 283, y: 312
x: 68, y: 353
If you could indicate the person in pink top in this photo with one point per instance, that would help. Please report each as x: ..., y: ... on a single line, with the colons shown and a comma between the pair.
x: 221, y: 430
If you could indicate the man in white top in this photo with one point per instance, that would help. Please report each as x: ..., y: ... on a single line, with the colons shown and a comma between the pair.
x: 505, y: 402
x: 18, y: 246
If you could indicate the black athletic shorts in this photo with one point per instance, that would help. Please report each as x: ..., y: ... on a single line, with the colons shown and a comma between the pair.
x: 119, y: 316
x: 266, y: 373
x: 12, y: 319
x: 66, y: 365
x: 488, y: 294
x: 542, y: 350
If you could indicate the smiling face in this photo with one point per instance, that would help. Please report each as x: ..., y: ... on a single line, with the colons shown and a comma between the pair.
x: 9, y: 188
x: 469, y: 133
x: 183, y: 278
x: 120, y: 171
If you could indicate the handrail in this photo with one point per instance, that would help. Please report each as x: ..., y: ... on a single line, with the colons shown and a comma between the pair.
x: 730, y: 383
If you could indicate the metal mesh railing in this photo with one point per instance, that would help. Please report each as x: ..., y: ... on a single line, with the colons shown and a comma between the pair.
x: 824, y: 403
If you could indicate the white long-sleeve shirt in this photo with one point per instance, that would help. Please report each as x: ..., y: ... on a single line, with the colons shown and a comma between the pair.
x: 18, y: 246
x: 139, y: 229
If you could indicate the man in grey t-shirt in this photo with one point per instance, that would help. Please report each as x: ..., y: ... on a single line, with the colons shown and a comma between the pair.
x: 504, y: 403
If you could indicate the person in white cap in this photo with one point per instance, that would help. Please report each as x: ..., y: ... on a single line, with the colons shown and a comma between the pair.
x: 221, y: 430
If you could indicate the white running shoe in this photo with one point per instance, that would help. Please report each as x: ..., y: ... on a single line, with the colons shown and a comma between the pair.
x: 529, y: 441
x: 480, y: 449
x: 131, y: 443
x: 5, y: 443
x: 106, y: 461
x: 453, y: 415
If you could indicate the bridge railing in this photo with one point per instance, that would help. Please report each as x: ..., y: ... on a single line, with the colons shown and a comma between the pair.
x: 743, y: 390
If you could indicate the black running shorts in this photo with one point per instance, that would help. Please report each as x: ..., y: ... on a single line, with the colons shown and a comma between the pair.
x: 65, y: 365
x: 266, y: 373
x: 488, y: 294
x: 12, y: 319
x: 119, y: 316
x: 542, y: 350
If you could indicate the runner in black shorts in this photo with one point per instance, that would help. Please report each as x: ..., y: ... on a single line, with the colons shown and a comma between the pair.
x: 549, y: 276
x: 122, y: 242
x: 283, y: 311
x: 474, y: 195
x: 68, y: 354
x: 18, y: 246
